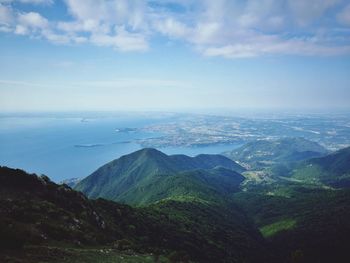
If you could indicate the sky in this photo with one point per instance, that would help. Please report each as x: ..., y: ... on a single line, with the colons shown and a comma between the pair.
x: 76, y: 55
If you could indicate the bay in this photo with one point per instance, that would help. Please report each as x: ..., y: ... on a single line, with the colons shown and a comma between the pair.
x: 73, y: 147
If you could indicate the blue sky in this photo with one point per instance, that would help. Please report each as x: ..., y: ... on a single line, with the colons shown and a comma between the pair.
x: 174, y: 54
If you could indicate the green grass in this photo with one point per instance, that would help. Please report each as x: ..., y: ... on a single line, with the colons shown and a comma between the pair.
x: 308, y: 173
x: 274, y: 228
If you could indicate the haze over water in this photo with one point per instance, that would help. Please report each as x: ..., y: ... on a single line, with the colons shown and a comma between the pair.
x: 69, y: 147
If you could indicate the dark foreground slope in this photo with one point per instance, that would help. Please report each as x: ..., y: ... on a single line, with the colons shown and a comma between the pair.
x: 44, y: 222
x: 301, y: 223
x: 134, y: 177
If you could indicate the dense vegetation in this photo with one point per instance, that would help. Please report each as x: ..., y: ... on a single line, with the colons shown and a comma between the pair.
x: 332, y: 170
x: 129, y: 177
x: 183, y: 209
x: 302, y: 224
x: 38, y: 214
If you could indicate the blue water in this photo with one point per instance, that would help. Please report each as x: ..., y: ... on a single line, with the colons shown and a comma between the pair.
x: 48, y: 145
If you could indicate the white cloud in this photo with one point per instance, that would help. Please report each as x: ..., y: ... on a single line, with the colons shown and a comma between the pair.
x: 227, y: 28
x: 231, y: 51
x: 79, y: 40
x: 116, y: 23
x: 172, y: 28
x: 56, y: 38
x: 33, y: 20
x: 276, y: 46
x: 88, y: 9
x: 113, y: 12
x: 21, y: 30
x: 88, y: 25
x: 30, y: 24
x: 208, y: 33
x: 122, y: 40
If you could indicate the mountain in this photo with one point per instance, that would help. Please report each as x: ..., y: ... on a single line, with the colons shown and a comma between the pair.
x: 41, y: 221
x: 262, y: 153
x: 332, y: 169
x: 149, y: 175
x: 210, y: 185
x: 184, y: 211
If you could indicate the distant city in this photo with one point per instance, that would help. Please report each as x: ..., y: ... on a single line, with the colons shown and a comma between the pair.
x: 331, y: 131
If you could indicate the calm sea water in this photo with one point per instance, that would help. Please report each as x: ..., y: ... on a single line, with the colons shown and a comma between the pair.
x: 67, y: 147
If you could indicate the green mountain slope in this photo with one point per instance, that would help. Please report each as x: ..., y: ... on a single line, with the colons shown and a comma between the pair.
x: 301, y: 223
x: 186, y: 211
x: 207, y: 185
x: 134, y: 177
x: 262, y: 153
x: 333, y: 169
x: 44, y: 222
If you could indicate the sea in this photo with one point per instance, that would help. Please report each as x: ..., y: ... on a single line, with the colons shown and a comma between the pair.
x: 65, y: 146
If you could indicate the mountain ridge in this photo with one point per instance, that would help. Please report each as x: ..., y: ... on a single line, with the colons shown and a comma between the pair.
x: 137, y: 169
x: 198, y: 215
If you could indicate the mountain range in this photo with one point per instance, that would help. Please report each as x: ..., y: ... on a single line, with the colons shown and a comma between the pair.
x: 151, y: 207
x: 149, y: 175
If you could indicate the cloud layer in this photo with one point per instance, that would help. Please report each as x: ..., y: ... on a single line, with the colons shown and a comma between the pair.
x: 224, y: 28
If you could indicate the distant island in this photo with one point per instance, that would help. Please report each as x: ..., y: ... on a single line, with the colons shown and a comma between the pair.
x: 126, y: 129
x: 98, y: 144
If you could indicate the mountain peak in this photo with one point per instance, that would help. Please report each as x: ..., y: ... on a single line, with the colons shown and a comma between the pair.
x: 150, y: 151
x: 145, y: 152
x: 134, y: 171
